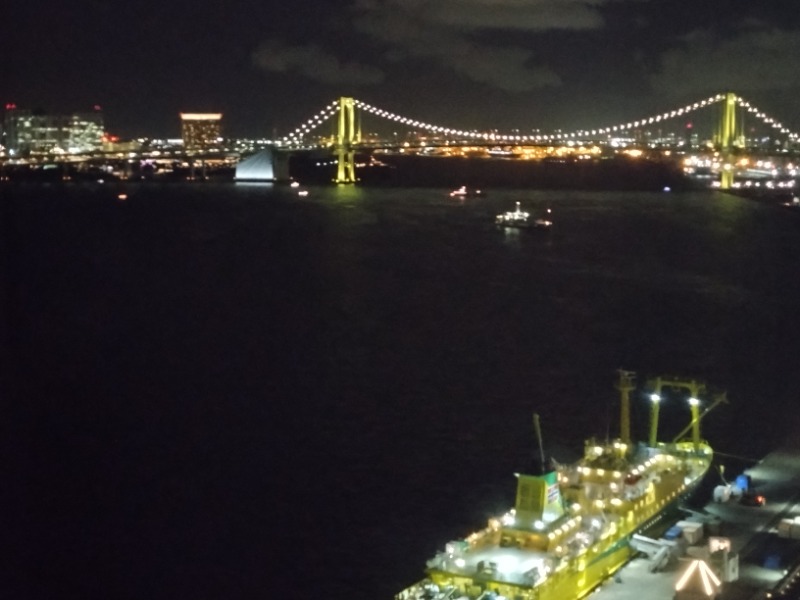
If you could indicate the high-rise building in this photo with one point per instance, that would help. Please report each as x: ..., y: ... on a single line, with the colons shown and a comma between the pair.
x: 201, y: 131
x: 26, y: 132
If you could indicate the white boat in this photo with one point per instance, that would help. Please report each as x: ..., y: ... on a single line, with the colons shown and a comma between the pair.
x: 464, y: 192
x: 794, y: 203
x: 522, y: 220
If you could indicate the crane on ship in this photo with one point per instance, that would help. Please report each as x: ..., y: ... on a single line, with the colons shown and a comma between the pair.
x: 696, y: 389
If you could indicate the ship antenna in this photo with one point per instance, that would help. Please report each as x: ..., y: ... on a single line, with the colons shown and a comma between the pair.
x: 538, y: 430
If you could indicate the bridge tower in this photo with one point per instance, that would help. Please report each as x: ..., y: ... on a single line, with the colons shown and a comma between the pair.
x: 727, y: 138
x: 346, y: 136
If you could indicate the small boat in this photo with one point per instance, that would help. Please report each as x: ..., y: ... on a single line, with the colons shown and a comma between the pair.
x: 793, y: 203
x: 521, y: 219
x: 464, y: 192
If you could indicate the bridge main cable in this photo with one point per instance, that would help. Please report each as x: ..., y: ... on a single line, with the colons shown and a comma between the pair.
x: 332, y: 109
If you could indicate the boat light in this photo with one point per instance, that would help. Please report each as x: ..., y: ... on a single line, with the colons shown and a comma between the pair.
x: 693, y: 401
x: 655, y: 398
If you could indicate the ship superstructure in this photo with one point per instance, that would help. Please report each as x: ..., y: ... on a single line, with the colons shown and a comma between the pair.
x: 570, y: 525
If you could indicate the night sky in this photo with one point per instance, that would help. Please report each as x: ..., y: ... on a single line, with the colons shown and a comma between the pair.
x: 483, y: 64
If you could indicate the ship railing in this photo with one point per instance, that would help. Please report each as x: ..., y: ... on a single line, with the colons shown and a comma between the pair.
x: 685, y: 449
x: 427, y: 590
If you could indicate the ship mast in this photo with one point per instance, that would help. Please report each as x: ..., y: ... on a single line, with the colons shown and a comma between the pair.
x: 625, y: 386
x: 538, y: 431
x: 694, y: 424
x: 695, y: 389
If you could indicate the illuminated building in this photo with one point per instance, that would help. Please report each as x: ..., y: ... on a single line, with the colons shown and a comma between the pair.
x: 26, y: 132
x: 201, y: 131
x: 264, y: 165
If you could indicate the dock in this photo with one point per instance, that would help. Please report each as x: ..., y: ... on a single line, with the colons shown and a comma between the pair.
x: 768, y: 564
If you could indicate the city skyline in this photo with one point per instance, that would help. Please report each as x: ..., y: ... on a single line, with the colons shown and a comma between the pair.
x: 472, y: 63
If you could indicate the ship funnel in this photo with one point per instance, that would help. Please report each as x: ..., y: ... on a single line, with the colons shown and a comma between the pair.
x: 538, y: 496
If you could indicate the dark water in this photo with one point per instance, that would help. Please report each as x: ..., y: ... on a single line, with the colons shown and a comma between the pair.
x: 233, y: 392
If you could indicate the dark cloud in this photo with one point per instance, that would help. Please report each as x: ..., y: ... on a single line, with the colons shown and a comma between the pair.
x: 315, y: 64
x: 441, y: 33
x: 446, y: 34
x: 471, y: 15
x: 757, y: 59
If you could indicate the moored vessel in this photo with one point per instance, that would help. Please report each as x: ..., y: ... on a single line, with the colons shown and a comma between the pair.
x: 571, y: 524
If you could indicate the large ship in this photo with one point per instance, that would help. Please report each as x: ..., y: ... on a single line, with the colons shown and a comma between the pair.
x: 571, y: 524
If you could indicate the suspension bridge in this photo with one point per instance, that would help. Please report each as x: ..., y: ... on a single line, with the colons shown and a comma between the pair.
x: 346, y: 114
